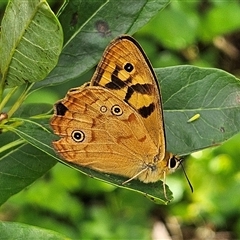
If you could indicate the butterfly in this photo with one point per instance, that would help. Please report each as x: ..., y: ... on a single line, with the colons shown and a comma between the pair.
x: 114, y: 124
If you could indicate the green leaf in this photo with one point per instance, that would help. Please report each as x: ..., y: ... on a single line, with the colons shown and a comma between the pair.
x: 20, y: 163
x: 89, y: 26
x: 21, y: 167
x: 212, y: 93
x: 30, y: 43
x: 8, y: 142
x: 11, y: 230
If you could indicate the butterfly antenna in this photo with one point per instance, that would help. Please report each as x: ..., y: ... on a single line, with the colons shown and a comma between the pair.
x: 189, y: 183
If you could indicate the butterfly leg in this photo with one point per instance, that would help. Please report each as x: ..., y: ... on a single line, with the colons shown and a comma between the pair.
x: 135, y: 176
x: 164, y: 186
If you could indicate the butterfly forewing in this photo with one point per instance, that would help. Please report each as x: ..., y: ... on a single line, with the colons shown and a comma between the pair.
x: 126, y: 71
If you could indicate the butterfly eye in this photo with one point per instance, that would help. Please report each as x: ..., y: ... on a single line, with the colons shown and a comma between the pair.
x: 78, y: 136
x: 128, y: 67
x: 116, y: 110
x: 173, y: 163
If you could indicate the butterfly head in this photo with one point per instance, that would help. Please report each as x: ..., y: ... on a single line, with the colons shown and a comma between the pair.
x: 173, y: 162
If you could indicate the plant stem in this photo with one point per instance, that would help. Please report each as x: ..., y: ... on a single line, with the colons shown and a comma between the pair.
x: 7, y: 97
x: 1, y: 87
x: 11, y: 145
x: 20, y: 100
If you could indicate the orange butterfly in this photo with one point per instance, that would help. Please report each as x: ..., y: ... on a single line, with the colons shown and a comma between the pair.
x: 114, y: 124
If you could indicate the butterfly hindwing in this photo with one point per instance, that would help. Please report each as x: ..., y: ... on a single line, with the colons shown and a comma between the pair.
x: 100, y: 131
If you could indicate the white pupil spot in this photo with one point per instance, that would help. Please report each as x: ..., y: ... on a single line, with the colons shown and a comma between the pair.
x: 128, y: 67
x: 103, y: 109
x: 78, y: 136
x: 116, y: 110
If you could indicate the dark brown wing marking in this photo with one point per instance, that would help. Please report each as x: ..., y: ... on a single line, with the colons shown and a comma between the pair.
x: 146, y: 111
x: 60, y: 109
x: 140, y: 88
x: 117, y: 84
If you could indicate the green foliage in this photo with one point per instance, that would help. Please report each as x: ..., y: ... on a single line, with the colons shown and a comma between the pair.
x: 17, y: 231
x: 80, y: 207
x: 29, y: 51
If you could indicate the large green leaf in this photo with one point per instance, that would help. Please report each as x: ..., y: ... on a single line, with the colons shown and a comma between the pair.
x: 30, y: 42
x: 11, y: 230
x: 212, y: 93
x: 89, y: 26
